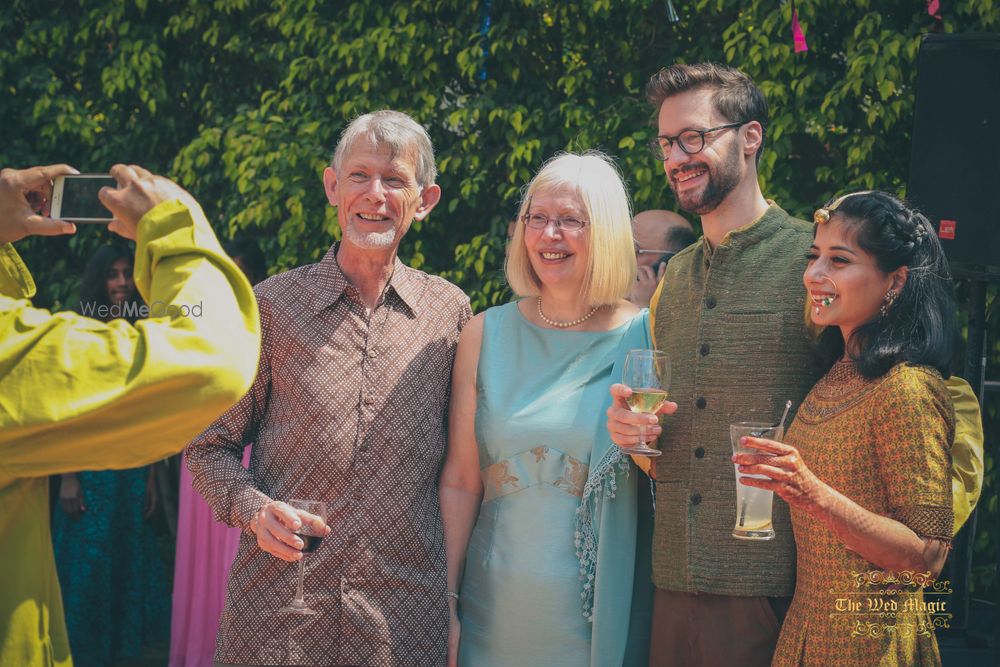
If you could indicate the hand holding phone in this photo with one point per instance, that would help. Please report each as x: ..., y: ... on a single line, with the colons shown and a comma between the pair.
x: 24, y: 194
x: 138, y: 191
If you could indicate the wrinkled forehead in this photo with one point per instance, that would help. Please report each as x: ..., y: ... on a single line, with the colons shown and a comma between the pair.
x: 369, y: 149
x: 563, y: 196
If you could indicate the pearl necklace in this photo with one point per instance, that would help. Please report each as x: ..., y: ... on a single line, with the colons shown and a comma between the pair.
x: 564, y: 325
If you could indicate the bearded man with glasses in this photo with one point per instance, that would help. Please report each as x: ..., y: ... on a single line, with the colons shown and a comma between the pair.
x: 729, y: 313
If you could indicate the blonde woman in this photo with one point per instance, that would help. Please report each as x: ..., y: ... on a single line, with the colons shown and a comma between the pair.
x: 539, y: 508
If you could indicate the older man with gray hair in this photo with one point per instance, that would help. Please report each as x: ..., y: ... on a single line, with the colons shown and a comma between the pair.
x: 348, y: 408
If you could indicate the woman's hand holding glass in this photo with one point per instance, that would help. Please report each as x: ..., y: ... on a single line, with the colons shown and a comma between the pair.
x: 787, y: 473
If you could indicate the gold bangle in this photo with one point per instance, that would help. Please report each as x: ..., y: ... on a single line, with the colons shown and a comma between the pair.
x: 452, y: 594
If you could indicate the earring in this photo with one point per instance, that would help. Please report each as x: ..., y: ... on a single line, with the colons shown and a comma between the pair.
x: 890, y: 296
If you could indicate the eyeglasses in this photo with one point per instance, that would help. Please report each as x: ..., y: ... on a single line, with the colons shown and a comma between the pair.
x: 665, y: 255
x: 539, y: 221
x: 690, y: 141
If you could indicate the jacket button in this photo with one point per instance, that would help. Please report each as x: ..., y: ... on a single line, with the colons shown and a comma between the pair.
x: 695, y: 498
x: 699, y: 453
x: 701, y: 403
x: 710, y: 302
x: 704, y: 349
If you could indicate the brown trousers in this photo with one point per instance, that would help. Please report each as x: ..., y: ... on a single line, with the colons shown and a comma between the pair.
x: 701, y: 630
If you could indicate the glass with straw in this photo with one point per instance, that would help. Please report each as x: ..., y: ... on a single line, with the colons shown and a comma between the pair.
x: 753, y: 505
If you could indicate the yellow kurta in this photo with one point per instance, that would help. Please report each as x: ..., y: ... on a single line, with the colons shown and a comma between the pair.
x: 78, y: 394
x: 885, y: 444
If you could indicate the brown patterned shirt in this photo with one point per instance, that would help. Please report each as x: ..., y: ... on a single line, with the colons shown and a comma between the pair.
x: 350, y: 408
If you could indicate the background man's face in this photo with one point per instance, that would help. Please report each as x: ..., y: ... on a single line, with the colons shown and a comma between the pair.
x: 652, y: 230
x: 703, y: 180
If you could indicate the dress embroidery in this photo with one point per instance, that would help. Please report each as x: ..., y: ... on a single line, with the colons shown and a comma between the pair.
x: 538, y: 465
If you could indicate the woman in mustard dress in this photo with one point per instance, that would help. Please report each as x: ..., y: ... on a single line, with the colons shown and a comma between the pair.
x: 865, y: 466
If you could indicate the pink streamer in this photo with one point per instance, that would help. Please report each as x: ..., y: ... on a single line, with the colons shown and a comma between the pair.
x: 797, y: 36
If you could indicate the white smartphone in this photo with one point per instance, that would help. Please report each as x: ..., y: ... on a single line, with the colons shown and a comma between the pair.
x: 74, y: 198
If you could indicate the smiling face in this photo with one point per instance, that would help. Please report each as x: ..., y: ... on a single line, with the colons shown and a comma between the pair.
x: 558, y: 256
x: 701, y: 181
x: 377, y: 196
x: 845, y: 286
x: 118, y: 281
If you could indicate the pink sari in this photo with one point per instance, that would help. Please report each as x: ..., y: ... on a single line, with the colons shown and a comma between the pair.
x: 205, y: 552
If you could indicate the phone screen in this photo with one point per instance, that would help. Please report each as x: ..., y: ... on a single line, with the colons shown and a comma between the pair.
x: 79, y: 198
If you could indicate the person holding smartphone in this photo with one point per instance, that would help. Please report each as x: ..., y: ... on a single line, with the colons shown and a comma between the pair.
x: 80, y: 394
x: 659, y: 235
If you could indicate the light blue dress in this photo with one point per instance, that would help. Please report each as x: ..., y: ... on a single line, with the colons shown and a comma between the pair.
x: 550, y: 566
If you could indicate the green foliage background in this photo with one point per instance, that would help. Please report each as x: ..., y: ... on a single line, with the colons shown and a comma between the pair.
x: 242, y: 101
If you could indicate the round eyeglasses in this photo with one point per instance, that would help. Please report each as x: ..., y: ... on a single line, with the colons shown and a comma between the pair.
x: 539, y: 221
x: 690, y: 141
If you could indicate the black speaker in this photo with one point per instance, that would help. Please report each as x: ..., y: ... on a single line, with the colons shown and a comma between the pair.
x: 955, y: 156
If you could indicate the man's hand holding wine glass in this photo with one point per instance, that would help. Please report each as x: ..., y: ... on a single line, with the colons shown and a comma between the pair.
x: 276, y: 525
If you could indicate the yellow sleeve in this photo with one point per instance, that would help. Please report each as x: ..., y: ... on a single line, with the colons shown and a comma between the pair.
x: 79, y: 394
x: 654, y: 301
x: 15, y: 281
x: 967, y: 452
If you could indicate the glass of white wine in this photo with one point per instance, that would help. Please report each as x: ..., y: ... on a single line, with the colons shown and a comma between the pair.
x: 311, y: 536
x: 647, y: 373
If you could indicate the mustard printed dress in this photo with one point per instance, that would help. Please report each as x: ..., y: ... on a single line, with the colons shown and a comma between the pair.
x: 885, y: 444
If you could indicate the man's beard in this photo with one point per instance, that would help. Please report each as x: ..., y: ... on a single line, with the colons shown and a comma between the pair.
x: 719, y: 185
x: 370, y: 240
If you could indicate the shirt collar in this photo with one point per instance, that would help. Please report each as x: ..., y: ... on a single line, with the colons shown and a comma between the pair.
x: 748, y: 234
x: 328, y: 282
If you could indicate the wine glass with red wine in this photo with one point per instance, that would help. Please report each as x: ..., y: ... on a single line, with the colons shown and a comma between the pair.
x: 311, y: 537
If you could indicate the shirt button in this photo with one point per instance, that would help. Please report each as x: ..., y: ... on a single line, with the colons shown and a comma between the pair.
x: 695, y: 498
x: 710, y: 302
x: 699, y: 453
x: 701, y: 403
x: 363, y: 446
x: 369, y: 400
x: 704, y: 349
x: 372, y: 354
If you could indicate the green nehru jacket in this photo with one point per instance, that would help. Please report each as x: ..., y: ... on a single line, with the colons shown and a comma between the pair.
x: 732, y: 322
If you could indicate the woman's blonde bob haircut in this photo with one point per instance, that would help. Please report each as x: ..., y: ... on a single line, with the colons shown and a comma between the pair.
x: 611, y: 267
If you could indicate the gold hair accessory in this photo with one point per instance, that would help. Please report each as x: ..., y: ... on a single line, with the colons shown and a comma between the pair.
x: 822, y: 215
